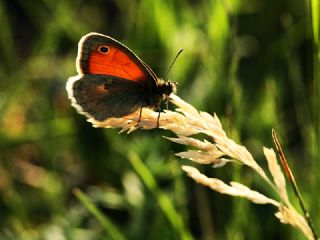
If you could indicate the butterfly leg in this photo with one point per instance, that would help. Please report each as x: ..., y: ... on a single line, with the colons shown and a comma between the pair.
x: 160, y: 110
x: 167, y: 103
x: 139, y: 119
x: 158, y: 119
x: 140, y: 114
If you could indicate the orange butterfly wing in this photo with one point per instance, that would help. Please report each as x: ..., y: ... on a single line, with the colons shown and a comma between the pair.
x: 115, y: 63
x: 100, y: 54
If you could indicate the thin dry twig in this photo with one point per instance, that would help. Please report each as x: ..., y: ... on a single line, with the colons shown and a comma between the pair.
x: 294, y: 184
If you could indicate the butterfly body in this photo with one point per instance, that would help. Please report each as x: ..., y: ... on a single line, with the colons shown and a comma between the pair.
x: 113, y: 81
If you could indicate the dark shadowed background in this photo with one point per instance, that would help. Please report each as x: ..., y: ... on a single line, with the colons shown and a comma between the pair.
x: 251, y: 62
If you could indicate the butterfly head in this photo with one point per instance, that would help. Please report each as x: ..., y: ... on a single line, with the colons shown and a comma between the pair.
x: 166, y: 87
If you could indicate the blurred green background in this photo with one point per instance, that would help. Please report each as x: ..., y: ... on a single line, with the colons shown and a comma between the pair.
x: 252, y: 62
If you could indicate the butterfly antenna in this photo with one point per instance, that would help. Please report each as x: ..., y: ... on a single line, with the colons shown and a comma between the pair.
x: 174, y: 60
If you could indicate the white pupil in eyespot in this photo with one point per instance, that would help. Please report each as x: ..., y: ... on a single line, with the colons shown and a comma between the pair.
x: 104, y: 49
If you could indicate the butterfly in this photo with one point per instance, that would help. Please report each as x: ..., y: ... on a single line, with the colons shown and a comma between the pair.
x: 113, y: 81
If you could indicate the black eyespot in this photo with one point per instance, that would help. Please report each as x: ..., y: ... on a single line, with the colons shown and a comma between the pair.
x: 104, y: 49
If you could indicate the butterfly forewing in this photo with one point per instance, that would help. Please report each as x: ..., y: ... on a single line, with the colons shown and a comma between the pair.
x: 118, y: 61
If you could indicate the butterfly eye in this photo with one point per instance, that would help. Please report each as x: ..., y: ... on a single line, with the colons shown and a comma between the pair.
x: 104, y: 49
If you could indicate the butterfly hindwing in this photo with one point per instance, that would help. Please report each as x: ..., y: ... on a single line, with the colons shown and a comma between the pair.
x: 103, y: 96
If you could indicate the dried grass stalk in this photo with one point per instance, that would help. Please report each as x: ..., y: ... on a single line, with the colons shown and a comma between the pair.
x: 289, y: 215
x: 234, y: 189
x: 276, y: 173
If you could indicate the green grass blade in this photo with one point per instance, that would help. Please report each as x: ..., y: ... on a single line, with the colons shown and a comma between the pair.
x: 109, y: 227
